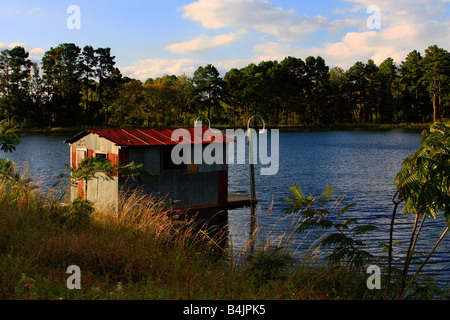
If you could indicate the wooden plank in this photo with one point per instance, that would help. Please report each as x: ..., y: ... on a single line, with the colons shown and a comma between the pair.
x: 240, y: 200
x: 234, y: 201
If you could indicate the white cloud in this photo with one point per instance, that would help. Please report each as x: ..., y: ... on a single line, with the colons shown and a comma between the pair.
x: 260, y: 15
x: 226, y: 65
x: 153, y: 68
x: 203, y: 43
x: 23, y: 11
x: 36, y: 54
x: 406, y: 26
x: 16, y: 44
x: 34, y: 10
x: 395, y: 42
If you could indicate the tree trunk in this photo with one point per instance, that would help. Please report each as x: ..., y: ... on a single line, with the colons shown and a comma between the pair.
x: 391, y: 233
x: 434, y: 107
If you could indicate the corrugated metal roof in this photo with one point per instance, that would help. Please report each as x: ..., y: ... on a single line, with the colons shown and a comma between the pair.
x: 148, y: 136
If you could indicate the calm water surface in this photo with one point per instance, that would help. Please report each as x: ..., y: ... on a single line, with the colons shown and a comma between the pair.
x: 360, y: 165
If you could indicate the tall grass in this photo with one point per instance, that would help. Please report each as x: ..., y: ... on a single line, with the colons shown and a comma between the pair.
x: 144, y: 252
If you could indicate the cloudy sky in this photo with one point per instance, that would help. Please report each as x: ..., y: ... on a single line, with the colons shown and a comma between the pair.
x: 156, y: 37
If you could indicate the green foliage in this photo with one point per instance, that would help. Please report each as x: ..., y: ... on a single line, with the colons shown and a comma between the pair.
x: 7, y: 170
x: 423, y: 181
x: 74, y: 216
x: 346, y: 250
x: 435, y: 77
x: 423, y: 187
x: 78, y: 214
x: 15, y: 71
x: 208, y: 86
x: 271, y: 263
x: 13, y: 182
x: 74, y: 86
x: 98, y: 167
x: 8, y: 139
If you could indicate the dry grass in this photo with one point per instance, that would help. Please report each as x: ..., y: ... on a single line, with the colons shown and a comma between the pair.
x: 142, y: 252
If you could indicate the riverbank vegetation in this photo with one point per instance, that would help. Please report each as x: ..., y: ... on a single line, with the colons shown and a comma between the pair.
x: 423, y: 187
x: 145, y: 252
x: 73, y: 87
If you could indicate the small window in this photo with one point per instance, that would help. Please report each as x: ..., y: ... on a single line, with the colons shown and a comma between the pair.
x: 100, y: 155
x: 167, y: 163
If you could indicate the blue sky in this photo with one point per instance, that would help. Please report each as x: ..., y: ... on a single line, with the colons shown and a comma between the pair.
x: 156, y: 37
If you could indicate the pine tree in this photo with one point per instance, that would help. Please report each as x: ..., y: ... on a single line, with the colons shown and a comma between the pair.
x: 436, y: 77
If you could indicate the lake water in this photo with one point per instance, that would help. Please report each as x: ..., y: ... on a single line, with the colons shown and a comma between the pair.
x: 360, y: 165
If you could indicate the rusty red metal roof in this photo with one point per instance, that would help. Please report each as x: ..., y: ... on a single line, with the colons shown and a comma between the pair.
x: 151, y: 136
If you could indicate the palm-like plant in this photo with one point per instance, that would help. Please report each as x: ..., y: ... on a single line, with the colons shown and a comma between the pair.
x: 346, y: 250
x: 423, y: 187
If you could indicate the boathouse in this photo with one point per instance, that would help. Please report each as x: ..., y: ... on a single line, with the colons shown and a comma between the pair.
x: 185, y: 185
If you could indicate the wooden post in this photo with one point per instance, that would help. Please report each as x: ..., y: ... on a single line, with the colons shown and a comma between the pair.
x: 252, y: 190
x: 252, y: 166
x: 252, y: 181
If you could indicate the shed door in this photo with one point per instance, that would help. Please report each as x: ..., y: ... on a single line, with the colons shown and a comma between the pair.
x: 81, y: 192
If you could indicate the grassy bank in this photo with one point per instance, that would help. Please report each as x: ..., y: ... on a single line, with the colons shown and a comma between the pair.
x: 283, y: 128
x: 143, y: 253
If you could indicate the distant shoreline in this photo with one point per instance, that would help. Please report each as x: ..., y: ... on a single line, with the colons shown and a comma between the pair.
x: 340, y: 127
x: 282, y: 128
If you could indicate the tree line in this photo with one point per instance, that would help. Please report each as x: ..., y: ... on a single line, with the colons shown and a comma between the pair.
x: 83, y: 87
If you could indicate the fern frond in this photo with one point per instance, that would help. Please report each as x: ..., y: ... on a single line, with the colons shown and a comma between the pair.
x: 345, y: 209
x: 336, y: 239
x: 325, y: 197
x: 363, y: 229
x: 346, y: 223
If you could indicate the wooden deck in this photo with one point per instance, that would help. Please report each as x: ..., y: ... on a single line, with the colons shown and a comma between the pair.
x: 240, y: 200
x: 234, y: 201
